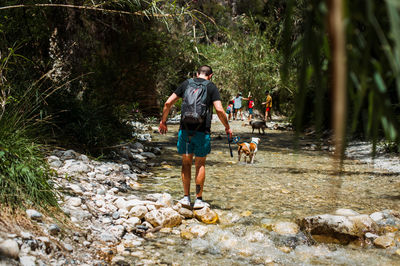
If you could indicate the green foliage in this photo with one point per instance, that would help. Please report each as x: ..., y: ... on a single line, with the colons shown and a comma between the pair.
x: 24, y: 174
x: 248, y: 63
x: 373, y: 45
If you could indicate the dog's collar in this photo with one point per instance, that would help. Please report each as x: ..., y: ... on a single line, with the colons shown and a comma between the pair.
x: 254, y: 142
x: 235, y: 139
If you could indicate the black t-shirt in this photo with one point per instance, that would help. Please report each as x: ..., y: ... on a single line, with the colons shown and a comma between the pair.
x: 212, y: 96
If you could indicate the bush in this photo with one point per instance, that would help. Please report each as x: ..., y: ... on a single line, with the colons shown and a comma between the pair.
x: 24, y: 174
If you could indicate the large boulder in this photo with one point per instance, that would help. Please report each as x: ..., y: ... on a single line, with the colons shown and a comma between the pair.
x: 166, y: 217
x: 338, y: 227
x: 172, y: 217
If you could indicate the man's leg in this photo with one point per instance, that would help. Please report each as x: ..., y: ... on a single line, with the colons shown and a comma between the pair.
x: 200, y: 163
x: 186, y: 172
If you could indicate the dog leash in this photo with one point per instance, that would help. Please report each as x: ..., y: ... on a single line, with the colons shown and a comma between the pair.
x: 229, y: 143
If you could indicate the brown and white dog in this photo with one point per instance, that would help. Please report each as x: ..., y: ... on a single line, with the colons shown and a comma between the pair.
x: 248, y: 149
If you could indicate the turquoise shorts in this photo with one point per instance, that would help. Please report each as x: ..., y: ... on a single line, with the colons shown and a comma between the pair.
x: 199, y: 143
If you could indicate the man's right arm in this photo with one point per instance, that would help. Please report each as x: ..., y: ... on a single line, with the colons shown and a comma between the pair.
x: 167, y: 107
x: 221, y: 115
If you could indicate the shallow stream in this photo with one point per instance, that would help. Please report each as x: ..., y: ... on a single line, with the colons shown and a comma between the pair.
x: 286, y: 182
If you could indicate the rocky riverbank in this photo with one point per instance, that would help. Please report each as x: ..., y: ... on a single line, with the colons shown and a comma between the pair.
x: 105, y: 216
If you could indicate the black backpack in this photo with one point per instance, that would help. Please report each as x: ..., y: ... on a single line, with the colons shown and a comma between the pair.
x: 194, y: 103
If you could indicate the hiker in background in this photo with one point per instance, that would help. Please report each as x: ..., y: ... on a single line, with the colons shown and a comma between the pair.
x: 229, y: 110
x: 251, y: 105
x: 237, y: 106
x: 195, y: 138
x: 268, y: 106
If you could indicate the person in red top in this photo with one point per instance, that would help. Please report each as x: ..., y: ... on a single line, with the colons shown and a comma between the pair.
x: 251, y: 105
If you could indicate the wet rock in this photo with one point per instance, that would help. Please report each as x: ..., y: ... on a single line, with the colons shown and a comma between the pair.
x: 255, y: 236
x: 285, y: 249
x: 9, y: 248
x: 34, y: 215
x: 267, y: 223
x: 186, y: 234
x: 27, y: 260
x: 171, y: 218
x: 199, y: 230
x: 384, y: 241
x: 206, y: 215
x: 285, y: 228
x: 343, y: 228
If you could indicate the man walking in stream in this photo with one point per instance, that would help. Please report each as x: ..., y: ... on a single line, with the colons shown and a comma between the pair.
x: 195, y: 127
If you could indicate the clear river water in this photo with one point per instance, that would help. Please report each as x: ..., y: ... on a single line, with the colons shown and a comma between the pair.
x: 286, y: 182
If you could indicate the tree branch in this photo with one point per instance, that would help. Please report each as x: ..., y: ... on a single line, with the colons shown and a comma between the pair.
x: 138, y: 13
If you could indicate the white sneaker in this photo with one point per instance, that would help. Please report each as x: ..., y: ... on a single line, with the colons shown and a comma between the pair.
x: 185, y: 201
x: 199, y: 204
